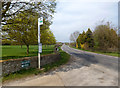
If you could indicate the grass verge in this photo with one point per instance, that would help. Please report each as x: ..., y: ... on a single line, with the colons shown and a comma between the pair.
x: 105, y: 53
x: 21, y: 74
x: 64, y: 58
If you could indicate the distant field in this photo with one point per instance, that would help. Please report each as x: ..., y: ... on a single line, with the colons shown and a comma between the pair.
x: 13, y: 52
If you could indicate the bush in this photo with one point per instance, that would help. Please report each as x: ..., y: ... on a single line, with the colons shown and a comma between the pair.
x: 105, y: 37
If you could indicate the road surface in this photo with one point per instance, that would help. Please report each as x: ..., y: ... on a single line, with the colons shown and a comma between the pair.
x: 83, y: 69
x: 110, y: 62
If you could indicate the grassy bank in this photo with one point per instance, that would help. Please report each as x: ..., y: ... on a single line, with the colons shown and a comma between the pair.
x: 64, y: 58
x: 13, y: 52
x: 105, y: 53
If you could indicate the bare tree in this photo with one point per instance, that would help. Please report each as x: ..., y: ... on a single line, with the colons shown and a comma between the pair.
x: 74, y: 36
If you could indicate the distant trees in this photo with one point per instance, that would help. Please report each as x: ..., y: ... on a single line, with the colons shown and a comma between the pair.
x: 81, y: 39
x: 85, y: 40
x: 104, y: 38
x: 89, y: 38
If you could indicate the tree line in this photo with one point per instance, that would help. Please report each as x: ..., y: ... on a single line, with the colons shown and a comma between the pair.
x: 104, y: 38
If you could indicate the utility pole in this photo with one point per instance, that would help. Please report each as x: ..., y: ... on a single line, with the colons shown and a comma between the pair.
x: 40, y: 22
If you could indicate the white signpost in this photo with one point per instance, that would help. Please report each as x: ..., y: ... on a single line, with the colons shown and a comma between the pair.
x: 40, y: 22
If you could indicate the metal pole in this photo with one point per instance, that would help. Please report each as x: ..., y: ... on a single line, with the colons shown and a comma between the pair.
x: 38, y: 46
x: 39, y: 60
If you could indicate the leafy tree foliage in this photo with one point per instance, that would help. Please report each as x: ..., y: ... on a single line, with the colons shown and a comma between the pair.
x: 23, y: 29
x: 20, y: 20
x: 43, y: 7
x: 6, y: 42
x: 85, y: 40
x: 78, y: 41
x: 81, y: 39
x: 105, y: 37
x: 47, y: 37
x: 89, y: 38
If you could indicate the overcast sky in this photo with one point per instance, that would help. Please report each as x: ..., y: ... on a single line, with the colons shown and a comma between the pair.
x: 76, y: 15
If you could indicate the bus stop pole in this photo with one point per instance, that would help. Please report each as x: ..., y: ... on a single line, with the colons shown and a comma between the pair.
x: 38, y: 45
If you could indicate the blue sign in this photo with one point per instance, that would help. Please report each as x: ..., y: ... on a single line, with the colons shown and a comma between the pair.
x: 25, y: 63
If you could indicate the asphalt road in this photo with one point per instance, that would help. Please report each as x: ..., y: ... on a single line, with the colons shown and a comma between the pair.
x: 110, y: 62
x: 83, y: 69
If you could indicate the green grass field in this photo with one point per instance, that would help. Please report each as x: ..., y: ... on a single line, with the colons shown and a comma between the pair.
x: 13, y: 52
